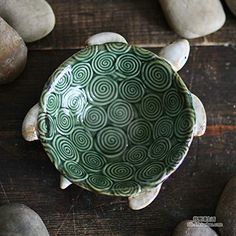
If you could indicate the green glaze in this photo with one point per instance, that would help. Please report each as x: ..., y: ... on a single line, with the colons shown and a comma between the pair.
x: 116, y: 119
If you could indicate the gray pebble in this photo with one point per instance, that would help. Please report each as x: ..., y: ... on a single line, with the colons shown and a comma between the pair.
x: 20, y: 220
x: 226, y: 209
x: 13, y: 53
x: 185, y: 228
x: 32, y: 19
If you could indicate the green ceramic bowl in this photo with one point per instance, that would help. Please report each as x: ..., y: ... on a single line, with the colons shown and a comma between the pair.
x: 116, y: 119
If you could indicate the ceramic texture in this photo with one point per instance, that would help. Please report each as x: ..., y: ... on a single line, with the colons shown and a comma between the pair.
x: 116, y: 119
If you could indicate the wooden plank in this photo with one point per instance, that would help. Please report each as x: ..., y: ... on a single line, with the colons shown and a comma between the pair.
x: 27, y: 176
x: 140, y: 21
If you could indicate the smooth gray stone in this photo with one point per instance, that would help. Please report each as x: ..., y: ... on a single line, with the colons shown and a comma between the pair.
x: 194, y: 18
x: 183, y: 229
x: 232, y: 5
x: 13, y: 53
x: 32, y: 19
x: 226, y: 209
x: 20, y: 220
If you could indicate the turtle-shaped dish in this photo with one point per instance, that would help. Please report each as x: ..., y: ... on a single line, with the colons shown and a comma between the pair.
x: 116, y: 119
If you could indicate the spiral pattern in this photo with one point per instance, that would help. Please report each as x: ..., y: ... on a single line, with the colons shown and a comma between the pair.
x: 99, y: 182
x: 120, y: 171
x: 65, y: 148
x: 82, y: 138
x: 94, y: 118
x: 175, y: 155
x: 86, y: 54
x: 116, y: 119
x: 102, y: 90
x: 103, y: 63
x: 82, y: 74
x: 179, y: 84
x: 151, y: 173
x: 118, y: 48
x: 76, y: 172
x: 137, y: 155
x: 46, y: 126
x: 143, y: 54
x: 128, y: 66
x: 184, y: 123
x: 139, y: 131
x: 157, y: 75
x: 159, y: 148
x: 172, y: 102
x: 111, y: 141
x: 75, y: 100
x: 163, y: 127
x: 126, y: 189
x: 65, y: 121
x: 132, y: 90
x: 93, y: 161
x: 120, y: 113
x: 151, y: 107
x: 53, y: 102
x: 63, y: 81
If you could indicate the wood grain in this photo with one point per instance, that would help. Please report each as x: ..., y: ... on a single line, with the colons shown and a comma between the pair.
x: 27, y: 176
x: 140, y: 21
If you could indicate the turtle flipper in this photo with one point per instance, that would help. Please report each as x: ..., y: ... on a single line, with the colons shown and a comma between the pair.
x: 64, y: 182
x: 145, y: 198
x: 201, y: 120
x: 105, y: 37
x: 29, y: 125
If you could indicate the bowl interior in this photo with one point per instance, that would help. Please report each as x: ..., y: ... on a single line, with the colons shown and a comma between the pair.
x: 115, y: 119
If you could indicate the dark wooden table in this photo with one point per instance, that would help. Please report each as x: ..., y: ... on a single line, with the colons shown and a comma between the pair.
x: 26, y: 174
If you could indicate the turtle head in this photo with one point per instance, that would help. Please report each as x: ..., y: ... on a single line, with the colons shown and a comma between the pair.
x: 176, y: 53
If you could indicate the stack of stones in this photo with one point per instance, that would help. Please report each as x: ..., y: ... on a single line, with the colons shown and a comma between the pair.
x: 21, y: 22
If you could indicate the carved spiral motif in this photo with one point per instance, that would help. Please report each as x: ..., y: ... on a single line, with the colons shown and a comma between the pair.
x: 86, y: 54
x: 150, y: 173
x: 75, y: 100
x: 65, y: 121
x: 151, y: 107
x: 157, y: 76
x: 82, y: 138
x: 65, y: 148
x: 120, y: 171
x: 82, y: 74
x: 139, y: 131
x: 64, y: 81
x: 127, y: 188
x: 93, y: 161
x: 94, y: 118
x: 184, y: 123
x: 120, y: 112
x: 159, y: 148
x: 143, y: 54
x: 128, y: 66
x: 137, y: 155
x: 47, y: 126
x: 76, y: 172
x: 99, y: 182
x: 116, y: 119
x: 172, y: 102
x: 103, y: 63
x: 118, y: 48
x: 175, y: 155
x: 111, y: 141
x: 53, y: 103
x: 132, y: 90
x: 163, y: 127
x: 102, y: 90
